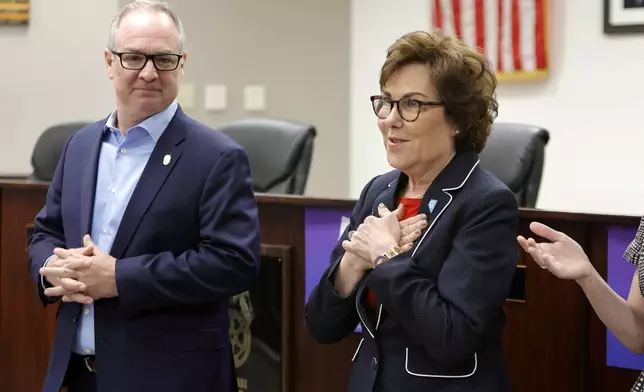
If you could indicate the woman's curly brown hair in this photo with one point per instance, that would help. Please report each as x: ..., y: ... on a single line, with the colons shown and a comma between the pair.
x: 463, y: 78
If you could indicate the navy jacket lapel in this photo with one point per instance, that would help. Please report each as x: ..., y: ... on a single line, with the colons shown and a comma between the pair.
x: 152, y: 179
x: 88, y: 182
x: 434, y: 201
x: 387, y: 197
x: 439, y: 195
x: 450, y: 179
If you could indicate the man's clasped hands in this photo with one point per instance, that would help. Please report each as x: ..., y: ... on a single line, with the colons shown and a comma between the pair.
x: 86, y: 274
x: 80, y: 274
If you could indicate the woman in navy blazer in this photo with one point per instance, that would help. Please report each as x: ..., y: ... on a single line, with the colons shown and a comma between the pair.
x: 431, y: 310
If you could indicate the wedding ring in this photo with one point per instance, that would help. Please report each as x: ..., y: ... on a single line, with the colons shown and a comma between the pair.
x: 543, y: 267
x: 351, y: 233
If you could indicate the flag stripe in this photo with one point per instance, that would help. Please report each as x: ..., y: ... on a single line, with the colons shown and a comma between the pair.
x: 516, y: 36
x: 456, y: 10
x: 492, y: 33
x: 540, y: 45
x: 527, y: 16
x: 506, y: 47
x: 448, y: 17
x: 499, y: 16
x: 480, y: 24
x: 438, y: 15
x: 468, y: 22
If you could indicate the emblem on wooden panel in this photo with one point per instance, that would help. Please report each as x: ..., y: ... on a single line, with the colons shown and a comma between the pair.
x: 241, y: 317
x: 260, y: 321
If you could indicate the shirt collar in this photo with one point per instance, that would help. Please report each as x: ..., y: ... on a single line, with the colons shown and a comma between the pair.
x: 154, y: 125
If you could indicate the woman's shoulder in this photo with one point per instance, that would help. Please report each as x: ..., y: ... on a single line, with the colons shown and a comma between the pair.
x: 379, y: 182
x: 484, y: 194
x: 486, y: 183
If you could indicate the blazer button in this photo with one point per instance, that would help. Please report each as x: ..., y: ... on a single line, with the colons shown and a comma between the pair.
x: 374, y: 363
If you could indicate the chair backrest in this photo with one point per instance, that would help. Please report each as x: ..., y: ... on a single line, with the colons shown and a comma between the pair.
x: 279, y: 152
x: 49, y: 147
x: 515, y: 153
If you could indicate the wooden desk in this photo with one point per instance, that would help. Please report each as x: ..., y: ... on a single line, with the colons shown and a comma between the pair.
x: 553, y: 341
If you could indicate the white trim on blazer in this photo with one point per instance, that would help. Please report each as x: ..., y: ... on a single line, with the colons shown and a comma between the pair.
x: 476, y: 363
x: 446, y: 190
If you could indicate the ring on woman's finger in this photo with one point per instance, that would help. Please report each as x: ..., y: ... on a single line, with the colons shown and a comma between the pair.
x: 543, y: 267
x: 351, y: 233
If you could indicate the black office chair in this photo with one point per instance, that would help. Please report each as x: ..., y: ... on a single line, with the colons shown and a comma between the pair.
x: 515, y: 153
x: 49, y: 147
x: 280, y: 155
x: 279, y: 151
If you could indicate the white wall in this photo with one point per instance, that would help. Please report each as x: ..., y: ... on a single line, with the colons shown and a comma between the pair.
x: 592, y: 104
x: 375, y: 24
x: 303, y: 65
x: 52, y: 71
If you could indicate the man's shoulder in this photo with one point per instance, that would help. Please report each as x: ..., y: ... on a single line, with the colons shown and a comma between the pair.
x: 202, y: 136
x: 88, y: 132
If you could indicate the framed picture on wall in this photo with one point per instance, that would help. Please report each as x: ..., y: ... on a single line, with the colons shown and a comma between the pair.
x: 14, y: 11
x: 623, y: 16
x: 513, y: 35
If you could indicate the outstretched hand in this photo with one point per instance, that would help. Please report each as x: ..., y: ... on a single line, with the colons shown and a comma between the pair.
x: 562, y: 256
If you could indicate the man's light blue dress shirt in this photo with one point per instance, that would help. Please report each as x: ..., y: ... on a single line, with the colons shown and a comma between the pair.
x: 121, y: 162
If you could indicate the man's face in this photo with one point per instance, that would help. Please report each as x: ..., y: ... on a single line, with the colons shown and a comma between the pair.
x: 148, y: 90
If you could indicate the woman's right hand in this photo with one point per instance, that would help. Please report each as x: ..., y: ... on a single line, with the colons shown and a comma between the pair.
x: 562, y: 256
x: 353, y: 267
x: 411, y: 229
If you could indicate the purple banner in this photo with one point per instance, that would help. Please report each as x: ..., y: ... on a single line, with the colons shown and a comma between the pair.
x: 322, y: 229
x: 620, y: 275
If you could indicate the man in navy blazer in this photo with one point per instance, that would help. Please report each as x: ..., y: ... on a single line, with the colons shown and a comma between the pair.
x: 149, y: 227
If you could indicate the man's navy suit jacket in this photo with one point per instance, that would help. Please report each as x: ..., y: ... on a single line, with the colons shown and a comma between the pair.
x: 188, y: 241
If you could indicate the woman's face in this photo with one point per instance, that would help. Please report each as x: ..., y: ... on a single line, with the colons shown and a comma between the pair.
x: 413, y: 147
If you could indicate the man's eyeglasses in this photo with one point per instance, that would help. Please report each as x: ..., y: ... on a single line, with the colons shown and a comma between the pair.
x: 408, y: 108
x: 138, y: 61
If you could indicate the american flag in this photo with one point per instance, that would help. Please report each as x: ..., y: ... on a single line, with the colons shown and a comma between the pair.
x: 511, y: 33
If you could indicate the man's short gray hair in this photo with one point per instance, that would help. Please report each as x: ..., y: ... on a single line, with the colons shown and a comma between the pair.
x: 155, y: 5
